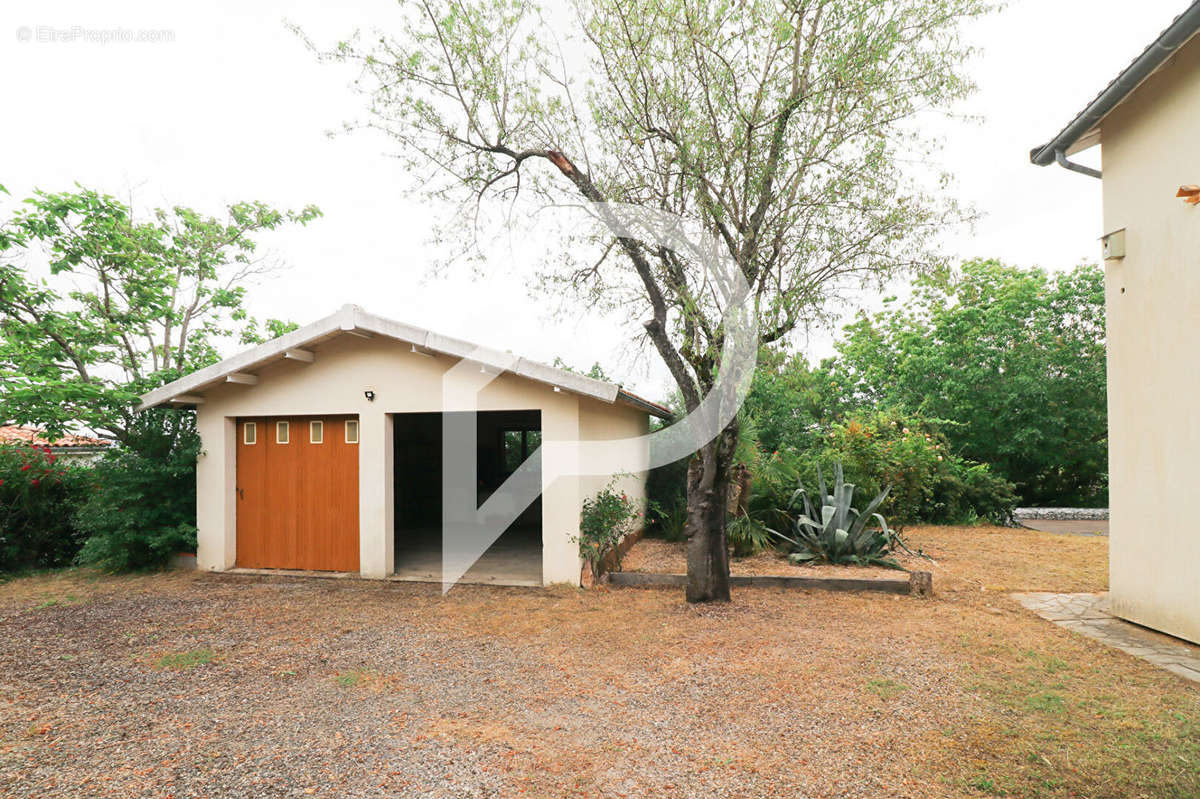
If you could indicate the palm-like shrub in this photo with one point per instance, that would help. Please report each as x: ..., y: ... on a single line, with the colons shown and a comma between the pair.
x: 833, y: 531
x: 747, y: 536
x: 761, y: 506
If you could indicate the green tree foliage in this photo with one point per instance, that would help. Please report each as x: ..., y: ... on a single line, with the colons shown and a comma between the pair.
x: 596, y: 372
x: 125, y: 304
x: 777, y: 127
x: 791, y: 403
x: 98, y: 306
x: 38, y: 498
x: 1014, y: 358
x: 142, y: 507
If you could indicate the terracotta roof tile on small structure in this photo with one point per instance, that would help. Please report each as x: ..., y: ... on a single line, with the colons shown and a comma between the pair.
x: 661, y: 411
x: 23, y: 434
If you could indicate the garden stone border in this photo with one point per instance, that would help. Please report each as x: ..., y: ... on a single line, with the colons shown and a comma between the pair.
x: 1087, y: 514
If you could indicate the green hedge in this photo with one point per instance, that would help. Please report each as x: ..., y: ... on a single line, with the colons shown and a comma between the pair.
x: 142, y: 509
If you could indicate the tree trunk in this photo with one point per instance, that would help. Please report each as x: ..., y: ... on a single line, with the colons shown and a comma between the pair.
x: 709, y: 476
x: 743, y: 478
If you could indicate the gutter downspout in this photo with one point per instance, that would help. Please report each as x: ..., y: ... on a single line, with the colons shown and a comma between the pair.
x: 1061, y: 158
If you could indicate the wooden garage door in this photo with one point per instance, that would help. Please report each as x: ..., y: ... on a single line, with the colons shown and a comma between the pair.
x: 297, y: 493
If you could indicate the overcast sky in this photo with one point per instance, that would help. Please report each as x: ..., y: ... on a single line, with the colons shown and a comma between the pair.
x: 228, y: 105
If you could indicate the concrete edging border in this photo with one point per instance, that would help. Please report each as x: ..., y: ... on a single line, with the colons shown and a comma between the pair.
x: 918, y: 583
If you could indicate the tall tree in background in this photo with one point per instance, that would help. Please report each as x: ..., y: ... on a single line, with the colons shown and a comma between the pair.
x: 128, y: 304
x: 791, y: 403
x: 779, y: 127
x: 1014, y: 358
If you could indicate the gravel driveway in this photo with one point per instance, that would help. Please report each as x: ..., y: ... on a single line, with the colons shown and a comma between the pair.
x: 210, y: 685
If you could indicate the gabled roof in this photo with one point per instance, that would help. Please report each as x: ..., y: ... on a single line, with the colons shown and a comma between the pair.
x: 1084, y: 130
x: 354, y: 320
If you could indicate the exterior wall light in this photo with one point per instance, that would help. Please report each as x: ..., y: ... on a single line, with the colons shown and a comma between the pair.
x: 370, y: 395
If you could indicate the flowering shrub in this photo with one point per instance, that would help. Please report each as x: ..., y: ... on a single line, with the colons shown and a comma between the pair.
x: 603, y: 522
x: 38, y: 497
x: 889, y: 449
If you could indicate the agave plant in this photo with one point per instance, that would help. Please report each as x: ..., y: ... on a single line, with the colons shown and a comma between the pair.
x: 839, y: 533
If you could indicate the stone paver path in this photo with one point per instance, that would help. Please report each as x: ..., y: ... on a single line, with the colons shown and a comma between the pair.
x: 1090, y: 614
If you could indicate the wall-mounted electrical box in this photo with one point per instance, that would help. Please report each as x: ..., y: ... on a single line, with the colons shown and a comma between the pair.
x: 1113, y: 245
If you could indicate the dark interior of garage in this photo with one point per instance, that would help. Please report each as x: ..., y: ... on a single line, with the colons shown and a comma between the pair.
x: 504, y: 440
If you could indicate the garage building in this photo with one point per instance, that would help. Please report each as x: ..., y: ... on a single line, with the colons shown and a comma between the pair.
x: 322, y: 451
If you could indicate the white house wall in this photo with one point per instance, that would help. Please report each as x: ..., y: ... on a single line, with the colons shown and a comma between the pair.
x: 601, y: 422
x: 1150, y: 148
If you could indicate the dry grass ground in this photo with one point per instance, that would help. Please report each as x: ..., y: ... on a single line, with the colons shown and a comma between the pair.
x: 960, y: 558
x: 181, y: 685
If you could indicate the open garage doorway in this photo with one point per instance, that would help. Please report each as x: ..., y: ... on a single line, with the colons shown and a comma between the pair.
x: 504, y: 440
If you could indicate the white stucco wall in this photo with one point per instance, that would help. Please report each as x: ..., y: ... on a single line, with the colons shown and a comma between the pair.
x: 1151, y: 146
x: 403, y: 382
x: 601, y: 422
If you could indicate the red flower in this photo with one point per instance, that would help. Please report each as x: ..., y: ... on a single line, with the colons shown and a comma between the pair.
x: 34, y: 481
x: 25, y: 468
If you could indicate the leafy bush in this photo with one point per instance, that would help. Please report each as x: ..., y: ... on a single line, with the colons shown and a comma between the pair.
x: 143, y: 508
x: 833, y: 531
x: 603, y: 522
x: 38, y: 498
x: 971, y: 492
x: 910, y: 456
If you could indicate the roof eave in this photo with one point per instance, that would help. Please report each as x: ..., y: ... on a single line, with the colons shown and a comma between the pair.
x: 1084, y: 130
x: 350, y: 319
x: 250, y: 359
